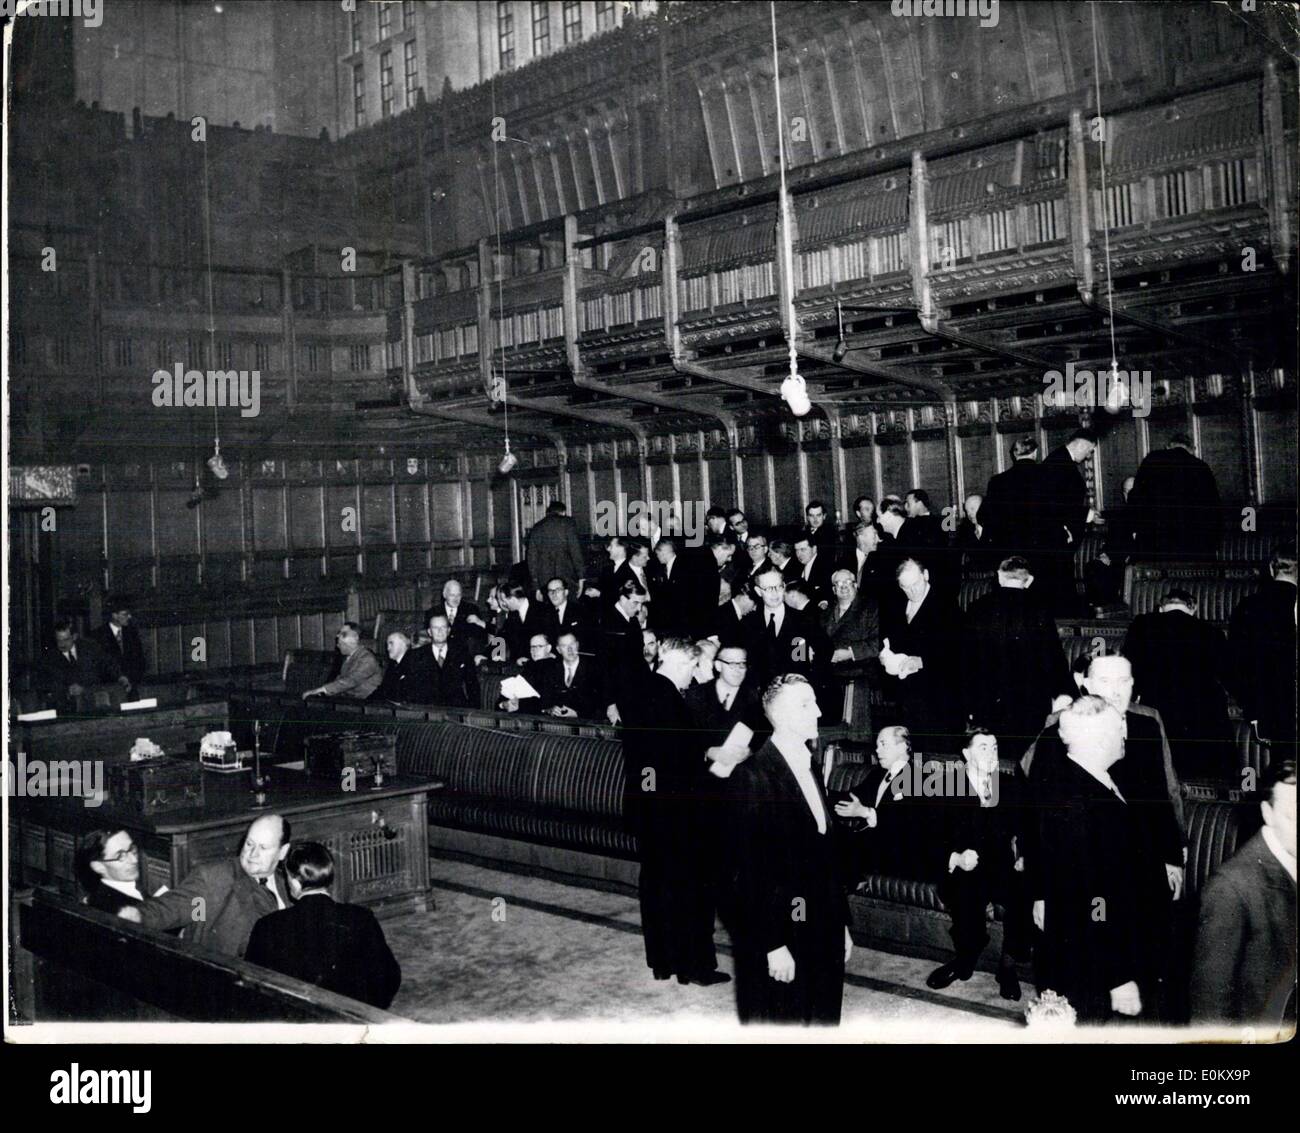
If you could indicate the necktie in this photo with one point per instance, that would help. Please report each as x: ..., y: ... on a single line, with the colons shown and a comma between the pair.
x: 439, y: 654
x: 262, y: 882
x: 771, y: 626
x: 568, y: 677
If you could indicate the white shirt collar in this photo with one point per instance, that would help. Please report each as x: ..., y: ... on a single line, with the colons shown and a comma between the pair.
x: 777, y: 615
x: 1272, y: 841
x: 117, y: 630
x: 799, y: 759
x: 130, y: 888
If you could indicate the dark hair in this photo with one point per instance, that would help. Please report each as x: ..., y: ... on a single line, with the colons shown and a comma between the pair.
x: 803, y: 537
x: 1275, y: 775
x: 556, y: 507
x: 736, y: 511
x: 352, y: 626
x: 115, y: 602
x: 1088, y: 435
x: 630, y: 587
x: 812, y: 504
x: 716, y: 512
x: 712, y: 541
x: 668, y: 541
x: 781, y: 547
x: 977, y: 730
x: 556, y: 578
x: 798, y: 586
x: 894, y: 508
x: 90, y: 849
x: 1177, y: 594
x: 755, y: 535
x: 1015, y: 564
x: 513, y: 590
x: 921, y: 496
x: 1283, y: 558
x: 1024, y: 446
x: 863, y: 500
x: 635, y: 545
x: 311, y: 864
x: 1181, y: 440
x: 63, y: 625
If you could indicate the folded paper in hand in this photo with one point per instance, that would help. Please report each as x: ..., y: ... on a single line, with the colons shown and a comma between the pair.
x: 517, y: 688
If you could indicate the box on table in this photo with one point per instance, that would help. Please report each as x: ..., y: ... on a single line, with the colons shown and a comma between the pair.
x: 156, y: 786
x: 327, y: 754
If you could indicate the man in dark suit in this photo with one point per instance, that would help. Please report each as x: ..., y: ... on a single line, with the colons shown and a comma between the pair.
x: 450, y: 670
x: 776, y: 638
x: 1015, y: 665
x: 815, y: 567
x: 756, y: 560
x: 465, y: 618
x: 340, y: 948
x: 851, y: 636
x: 561, y: 613
x: 1090, y: 871
x: 621, y: 658
x: 121, y: 640
x: 1244, y: 972
x: 882, y: 827
x: 729, y: 618
x: 663, y: 787
x: 972, y: 544
x: 921, y: 656
x: 738, y: 528
x: 524, y: 618
x: 1179, y: 668
x: 817, y: 531
x: 1008, y: 511
x: 863, y: 561
x: 407, y: 679
x: 1262, y: 644
x: 721, y: 552
x: 218, y: 902
x: 791, y: 917
x: 680, y: 598
x: 1153, y: 797
x: 781, y: 555
x: 107, y: 865
x: 979, y: 861
x: 554, y: 549
x: 923, y: 537
x: 573, y: 688
x: 73, y: 667
x: 1177, y: 513
x: 540, y: 671
x: 1060, y: 517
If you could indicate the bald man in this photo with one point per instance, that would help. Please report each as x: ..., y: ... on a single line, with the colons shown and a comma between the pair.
x: 219, y: 901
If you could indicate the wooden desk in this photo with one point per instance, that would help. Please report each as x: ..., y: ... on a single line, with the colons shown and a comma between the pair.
x: 109, y: 735
x: 379, y: 839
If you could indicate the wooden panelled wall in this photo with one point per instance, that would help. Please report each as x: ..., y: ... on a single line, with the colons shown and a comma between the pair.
x: 294, y: 534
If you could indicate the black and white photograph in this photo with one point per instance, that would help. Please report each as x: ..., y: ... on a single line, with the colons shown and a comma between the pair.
x: 681, y: 523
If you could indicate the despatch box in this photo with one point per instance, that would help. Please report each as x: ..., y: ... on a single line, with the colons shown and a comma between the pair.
x: 327, y: 755
x: 155, y: 786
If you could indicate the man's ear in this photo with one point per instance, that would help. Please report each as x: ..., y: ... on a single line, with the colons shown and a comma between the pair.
x: 284, y: 852
x: 101, y: 868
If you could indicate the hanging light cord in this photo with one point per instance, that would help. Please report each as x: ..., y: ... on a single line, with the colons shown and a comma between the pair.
x: 212, y: 318
x: 496, y: 224
x: 787, y: 252
x: 1105, y: 199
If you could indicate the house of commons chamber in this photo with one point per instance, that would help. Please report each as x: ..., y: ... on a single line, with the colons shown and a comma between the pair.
x: 699, y: 520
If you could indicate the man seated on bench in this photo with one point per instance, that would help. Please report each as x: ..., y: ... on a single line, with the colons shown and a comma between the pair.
x: 338, y: 947
x: 218, y: 902
x: 108, y: 870
x: 360, y: 675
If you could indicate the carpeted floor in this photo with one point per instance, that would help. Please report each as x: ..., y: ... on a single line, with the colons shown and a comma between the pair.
x: 506, y: 948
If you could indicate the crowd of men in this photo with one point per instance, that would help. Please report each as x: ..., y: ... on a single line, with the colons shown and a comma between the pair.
x: 721, y: 662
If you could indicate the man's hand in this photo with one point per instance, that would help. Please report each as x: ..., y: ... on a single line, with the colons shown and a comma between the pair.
x: 850, y: 808
x: 1039, y: 911
x: 954, y: 860
x: 1175, y: 875
x: 313, y: 692
x: 509, y: 704
x: 1019, y: 867
x: 475, y: 620
x: 561, y: 710
x: 727, y: 756
x: 840, y: 655
x: 611, y: 714
x: 75, y: 690
x: 1126, y: 999
x: 130, y: 913
x: 848, y: 944
x: 780, y: 965
x: 871, y: 817
x: 591, y: 592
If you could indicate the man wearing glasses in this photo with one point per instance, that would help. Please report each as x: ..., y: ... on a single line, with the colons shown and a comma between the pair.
x: 756, y: 549
x: 776, y: 637
x: 108, y: 869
